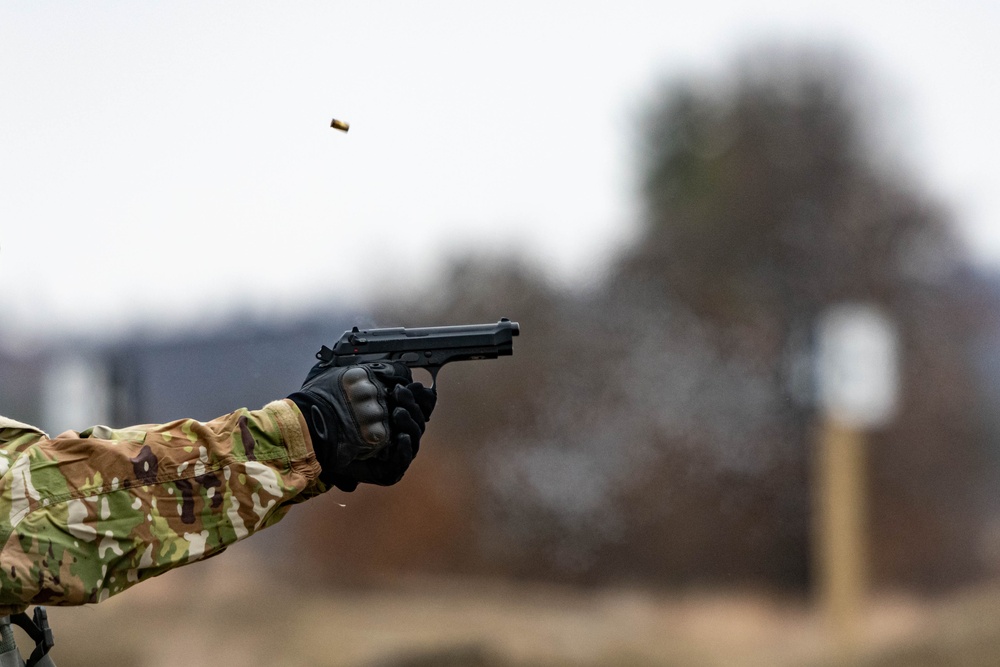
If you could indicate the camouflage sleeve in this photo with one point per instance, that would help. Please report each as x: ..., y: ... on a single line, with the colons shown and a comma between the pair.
x: 84, y: 516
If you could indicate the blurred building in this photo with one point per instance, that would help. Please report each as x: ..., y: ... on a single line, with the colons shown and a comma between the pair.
x: 146, y: 379
x: 21, y: 385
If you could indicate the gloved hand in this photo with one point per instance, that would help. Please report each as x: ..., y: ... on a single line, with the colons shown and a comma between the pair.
x: 365, y: 421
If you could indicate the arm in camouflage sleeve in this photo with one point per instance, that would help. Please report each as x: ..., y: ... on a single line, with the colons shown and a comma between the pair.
x: 86, y: 515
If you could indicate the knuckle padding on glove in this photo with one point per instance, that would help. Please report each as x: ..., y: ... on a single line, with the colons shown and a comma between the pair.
x: 367, y: 405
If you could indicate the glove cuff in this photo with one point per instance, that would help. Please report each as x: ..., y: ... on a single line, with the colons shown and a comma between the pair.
x: 322, y: 423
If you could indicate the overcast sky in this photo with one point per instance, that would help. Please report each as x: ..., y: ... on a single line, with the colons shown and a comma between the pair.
x: 165, y: 161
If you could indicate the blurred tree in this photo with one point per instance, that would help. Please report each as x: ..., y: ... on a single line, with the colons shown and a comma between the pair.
x: 770, y: 197
x: 769, y: 200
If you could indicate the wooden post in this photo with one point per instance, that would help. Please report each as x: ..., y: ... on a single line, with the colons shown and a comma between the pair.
x: 857, y: 373
x: 841, y: 532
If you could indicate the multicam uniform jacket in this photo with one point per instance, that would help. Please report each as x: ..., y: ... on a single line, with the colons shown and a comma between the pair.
x: 84, y: 516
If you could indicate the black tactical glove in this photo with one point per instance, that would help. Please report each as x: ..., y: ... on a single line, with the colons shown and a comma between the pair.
x: 365, y: 421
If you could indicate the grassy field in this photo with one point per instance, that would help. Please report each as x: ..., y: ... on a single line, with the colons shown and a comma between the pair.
x: 226, y: 612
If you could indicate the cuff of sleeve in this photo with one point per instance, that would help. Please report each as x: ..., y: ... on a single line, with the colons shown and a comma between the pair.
x: 295, y: 434
x: 294, y: 431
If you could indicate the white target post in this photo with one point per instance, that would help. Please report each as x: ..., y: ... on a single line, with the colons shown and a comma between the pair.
x: 858, y: 387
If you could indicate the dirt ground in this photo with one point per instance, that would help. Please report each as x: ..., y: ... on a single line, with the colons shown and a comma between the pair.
x: 226, y: 612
